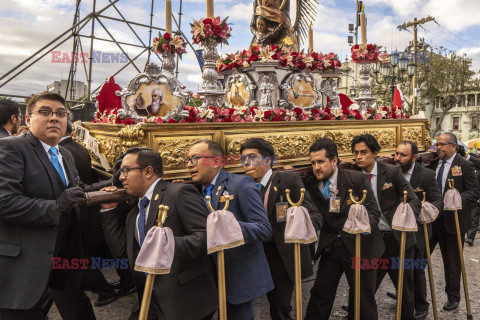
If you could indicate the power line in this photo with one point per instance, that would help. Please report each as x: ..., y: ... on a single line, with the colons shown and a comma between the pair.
x: 455, y: 34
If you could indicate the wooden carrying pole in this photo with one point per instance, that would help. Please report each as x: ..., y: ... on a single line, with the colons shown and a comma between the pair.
x: 402, y: 268
x: 430, y: 271
x: 147, y: 292
x: 357, y: 258
x: 298, y: 261
x: 460, y: 251
x: 222, y: 291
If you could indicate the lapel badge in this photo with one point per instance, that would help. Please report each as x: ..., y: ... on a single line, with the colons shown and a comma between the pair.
x: 456, y: 171
x: 275, y: 188
x: 218, y: 190
x: 156, y: 197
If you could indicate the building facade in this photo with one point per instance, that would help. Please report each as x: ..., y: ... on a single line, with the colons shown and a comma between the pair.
x: 80, y: 89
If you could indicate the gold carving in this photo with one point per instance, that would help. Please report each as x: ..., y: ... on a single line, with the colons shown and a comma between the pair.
x: 413, y: 134
x: 174, y: 150
x: 110, y: 148
x: 132, y: 136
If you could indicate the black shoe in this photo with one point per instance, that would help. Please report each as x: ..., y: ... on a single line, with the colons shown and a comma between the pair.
x: 392, y: 295
x: 126, y: 291
x: 450, y: 305
x: 420, y: 315
x: 103, y: 300
x: 345, y: 308
x: 116, y: 285
x: 469, y: 241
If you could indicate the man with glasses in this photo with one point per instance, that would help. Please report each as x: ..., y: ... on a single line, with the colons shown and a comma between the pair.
x: 10, y: 118
x: 188, y: 292
x: 450, y: 165
x: 38, y: 189
x: 246, y: 267
x: 258, y: 157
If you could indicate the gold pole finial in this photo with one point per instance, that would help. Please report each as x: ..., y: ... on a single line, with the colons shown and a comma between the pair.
x: 293, y: 204
x: 209, y: 204
x: 424, y: 197
x: 405, y: 193
x: 355, y: 201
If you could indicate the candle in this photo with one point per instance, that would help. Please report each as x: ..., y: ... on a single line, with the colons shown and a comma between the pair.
x: 310, y: 39
x: 168, y: 16
x: 363, y: 24
x: 210, y: 9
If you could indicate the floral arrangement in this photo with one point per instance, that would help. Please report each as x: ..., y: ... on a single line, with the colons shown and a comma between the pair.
x: 253, y: 114
x: 208, y: 31
x: 292, y: 59
x: 168, y: 44
x: 365, y: 53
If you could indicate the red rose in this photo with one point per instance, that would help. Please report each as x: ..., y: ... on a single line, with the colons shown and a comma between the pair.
x: 406, y: 116
x: 253, y: 57
x: 167, y: 36
x: 190, y: 119
x: 226, y: 120
x: 315, y: 111
x: 127, y: 121
x: 207, y: 21
x: 277, y: 118
x: 327, y: 110
x: 117, y: 120
x: 358, y: 116
x: 172, y: 121
x: 252, y: 109
x: 268, y: 114
x: 327, y: 117
x: 298, y: 111
x: 217, y: 30
x: 231, y: 111
x: 369, y: 46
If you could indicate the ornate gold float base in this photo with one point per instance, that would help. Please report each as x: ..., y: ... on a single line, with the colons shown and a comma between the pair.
x: 291, y: 140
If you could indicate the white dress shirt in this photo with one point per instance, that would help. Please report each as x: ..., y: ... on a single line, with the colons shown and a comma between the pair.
x: 59, y: 156
x: 149, y: 195
x: 448, y: 165
x: 332, y: 188
x: 266, y: 177
x: 383, y: 224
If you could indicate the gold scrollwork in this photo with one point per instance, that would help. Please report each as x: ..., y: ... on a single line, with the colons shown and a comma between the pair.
x: 131, y: 136
x: 174, y: 150
x: 413, y: 134
x: 109, y: 148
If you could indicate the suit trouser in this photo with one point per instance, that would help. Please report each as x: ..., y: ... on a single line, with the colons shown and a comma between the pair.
x: 243, y: 311
x: 451, y: 258
x: 71, y: 304
x: 420, y: 283
x: 475, y: 213
x: 392, y: 250
x: 280, y: 297
x: 332, y: 265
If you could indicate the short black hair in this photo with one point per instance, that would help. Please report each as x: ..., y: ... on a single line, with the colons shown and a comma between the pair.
x: 264, y: 147
x: 413, y: 146
x: 326, y: 144
x: 69, y: 128
x: 147, y: 158
x: 213, y: 146
x: 369, y: 140
x: 45, y: 95
x: 8, y: 108
x: 461, y: 151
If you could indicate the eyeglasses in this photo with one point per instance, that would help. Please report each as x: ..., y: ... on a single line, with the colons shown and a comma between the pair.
x: 126, y: 170
x: 194, y: 159
x: 251, y: 159
x: 440, y: 144
x: 49, y: 113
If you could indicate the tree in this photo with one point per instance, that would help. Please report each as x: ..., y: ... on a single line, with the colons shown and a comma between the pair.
x: 444, y: 81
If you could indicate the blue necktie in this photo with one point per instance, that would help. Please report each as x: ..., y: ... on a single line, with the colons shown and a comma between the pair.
x: 440, y: 176
x: 326, y: 190
x: 207, y: 192
x: 259, y: 186
x: 53, y: 152
x: 141, y: 219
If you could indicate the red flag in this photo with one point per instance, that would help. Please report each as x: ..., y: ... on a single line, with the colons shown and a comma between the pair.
x: 397, y: 97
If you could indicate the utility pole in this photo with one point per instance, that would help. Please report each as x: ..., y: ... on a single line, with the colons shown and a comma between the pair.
x: 355, y: 70
x: 415, y: 25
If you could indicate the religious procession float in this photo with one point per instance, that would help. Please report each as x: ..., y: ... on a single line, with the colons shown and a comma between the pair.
x: 271, y: 90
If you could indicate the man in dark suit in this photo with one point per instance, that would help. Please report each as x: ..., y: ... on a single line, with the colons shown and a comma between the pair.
x: 10, y: 118
x: 188, y: 292
x: 38, y: 188
x: 388, y: 184
x: 452, y: 166
x: 336, y: 247
x: 258, y: 157
x: 422, y: 180
x: 246, y: 267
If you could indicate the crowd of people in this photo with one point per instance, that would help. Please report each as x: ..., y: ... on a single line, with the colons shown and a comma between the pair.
x: 44, y: 175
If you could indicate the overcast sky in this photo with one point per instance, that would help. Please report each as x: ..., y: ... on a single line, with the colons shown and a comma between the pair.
x: 27, y: 25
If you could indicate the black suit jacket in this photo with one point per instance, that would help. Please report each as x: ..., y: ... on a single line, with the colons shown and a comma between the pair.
x: 189, y: 290
x: 372, y: 244
x: 32, y: 228
x: 423, y: 180
x: 280, y: 181
x: 4, y: 132
x: 391, y: 184
x: 468, y: 187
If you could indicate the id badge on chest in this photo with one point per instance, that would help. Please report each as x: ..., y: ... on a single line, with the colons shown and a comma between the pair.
x: 334, y: 203
x: 281, y: 210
